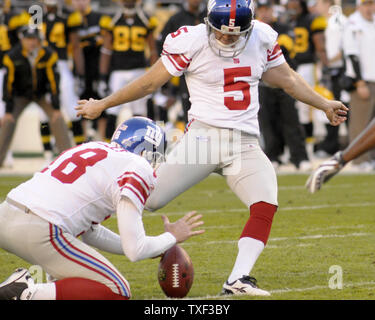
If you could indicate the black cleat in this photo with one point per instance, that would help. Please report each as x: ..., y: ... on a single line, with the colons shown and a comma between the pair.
x: 19, y: 286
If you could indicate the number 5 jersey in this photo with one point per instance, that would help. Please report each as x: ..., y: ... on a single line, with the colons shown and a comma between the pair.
x: 223, y: 91
x: 84, y: 185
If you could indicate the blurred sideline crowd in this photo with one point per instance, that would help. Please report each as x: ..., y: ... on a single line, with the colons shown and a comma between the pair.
x: 85, y: 49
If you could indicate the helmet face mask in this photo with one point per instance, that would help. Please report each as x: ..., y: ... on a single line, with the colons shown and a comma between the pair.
x: 129, y: 7
x: 143, y: 137
x: 225, y: 20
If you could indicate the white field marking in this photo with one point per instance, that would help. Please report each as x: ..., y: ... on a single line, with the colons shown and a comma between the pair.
x: 214, y: 211
x: 348, y: 285
x: 313, y: 237
x: 338, y: 186
x: 288, y: 290
x: 361, y: 226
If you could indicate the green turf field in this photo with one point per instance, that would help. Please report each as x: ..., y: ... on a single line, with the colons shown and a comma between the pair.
x: 311, y: 236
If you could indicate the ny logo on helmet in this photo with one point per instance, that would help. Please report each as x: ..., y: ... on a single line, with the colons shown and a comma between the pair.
x: 154, y: 135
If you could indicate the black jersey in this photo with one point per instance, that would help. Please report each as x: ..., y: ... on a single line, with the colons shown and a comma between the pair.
x: 91, y: 40
x: 10, y: 23
x: 129, y: 40
x: 304, y: 28
x: 182, y: 18
x: 30, y: 78
x: 56, y: 29
x: 285, y: 40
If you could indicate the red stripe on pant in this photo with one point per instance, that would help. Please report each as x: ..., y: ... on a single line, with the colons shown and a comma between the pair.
x: 79, y: 262
x: 259, y: 224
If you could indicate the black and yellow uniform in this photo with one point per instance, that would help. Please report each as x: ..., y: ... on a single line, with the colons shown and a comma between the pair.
x: 129, y: 40
x: 29, y: 78
x: 10, y: 23
x: 91, y: 41
x: 285, y: 40
x: 56, y: 29
x: 278, y: 116
x: 304, y: 27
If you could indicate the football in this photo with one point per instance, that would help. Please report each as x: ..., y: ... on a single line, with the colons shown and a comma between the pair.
x: 176, y: 272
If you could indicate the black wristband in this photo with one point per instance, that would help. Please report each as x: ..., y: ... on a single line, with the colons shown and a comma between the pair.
x: 339, y: 158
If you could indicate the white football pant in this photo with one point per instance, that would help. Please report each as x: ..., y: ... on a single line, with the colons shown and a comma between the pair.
x: 205, y: 149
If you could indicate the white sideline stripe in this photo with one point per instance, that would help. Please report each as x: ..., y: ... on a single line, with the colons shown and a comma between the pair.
x: 288, y: 290
x: 316, y: 236
x: 323, y: 206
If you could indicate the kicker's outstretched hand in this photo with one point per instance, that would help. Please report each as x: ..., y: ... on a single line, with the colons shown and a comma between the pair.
x: 90, y: 109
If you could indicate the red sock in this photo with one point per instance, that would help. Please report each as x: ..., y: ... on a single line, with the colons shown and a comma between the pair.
x: 84, y: 289
x: 259, y: 224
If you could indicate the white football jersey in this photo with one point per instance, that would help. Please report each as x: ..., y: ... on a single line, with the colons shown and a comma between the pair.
x: 223, y: 91
x: 84, y: 185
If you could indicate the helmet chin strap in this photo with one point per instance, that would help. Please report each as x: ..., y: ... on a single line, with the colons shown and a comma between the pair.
x: 227, y: 50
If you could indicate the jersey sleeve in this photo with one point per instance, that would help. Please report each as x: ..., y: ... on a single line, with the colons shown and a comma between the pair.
x: 137, y: 183
x: 153, y: 23
x: 74, y: 21
x: 105, y: 23
x: 177, y: 51
x: 318, y: 24
x: 275, y: 56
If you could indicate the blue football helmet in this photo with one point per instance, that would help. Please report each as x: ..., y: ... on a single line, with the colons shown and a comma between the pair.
x: 142, y: 136
x: 233, y: 17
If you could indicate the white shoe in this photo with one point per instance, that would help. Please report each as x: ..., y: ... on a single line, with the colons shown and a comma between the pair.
x: 19, y: 286
x: 304, y: 166
x: 244, y: 286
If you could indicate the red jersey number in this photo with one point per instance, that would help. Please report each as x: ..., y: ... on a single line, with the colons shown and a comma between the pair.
x: 178, y: 32
x: 230, y: 84
x: 79, y: 163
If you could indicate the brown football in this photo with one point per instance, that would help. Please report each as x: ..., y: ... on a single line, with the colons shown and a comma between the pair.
x: 176, y: 272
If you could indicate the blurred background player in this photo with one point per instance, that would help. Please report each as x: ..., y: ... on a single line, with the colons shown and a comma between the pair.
x: 91, y: 40
x: 335, y: 69
x: 128, y: 36
x: 31, y: 74
x: 359, y: 48
x: 309, y: 47
x: 278, y: 116
x: 11, y: 20
x: 191, y: 13
x: 60, y: 32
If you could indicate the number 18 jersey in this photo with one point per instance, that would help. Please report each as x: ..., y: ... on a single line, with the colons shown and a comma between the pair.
x: 84, y: 185
x: 223, y: 91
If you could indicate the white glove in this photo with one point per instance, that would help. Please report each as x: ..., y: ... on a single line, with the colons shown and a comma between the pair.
x: 324, y: 172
